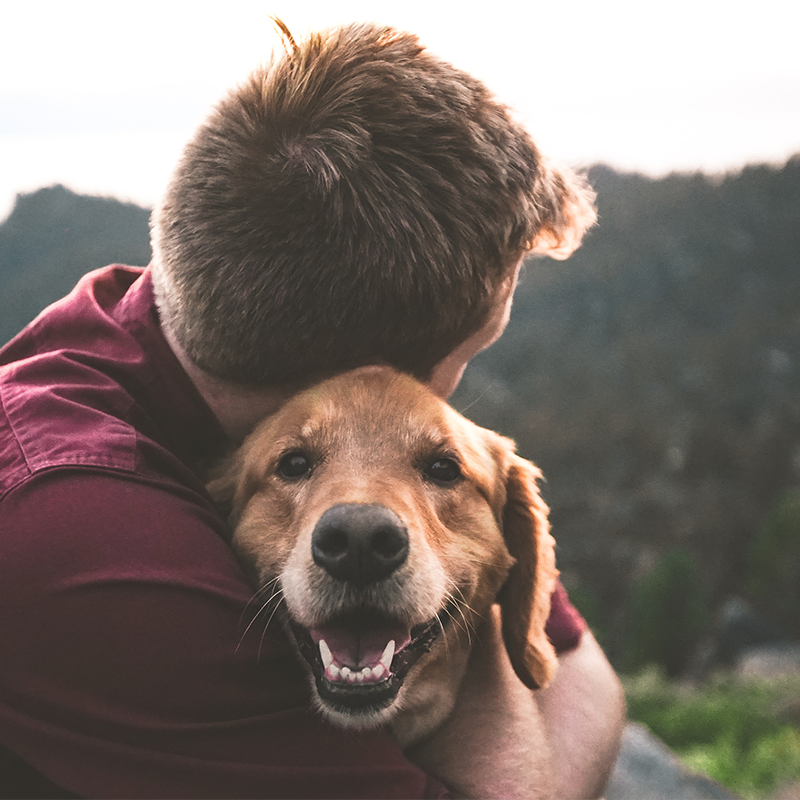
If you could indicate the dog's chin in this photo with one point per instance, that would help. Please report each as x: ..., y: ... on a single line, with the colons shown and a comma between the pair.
x: 359, y: 662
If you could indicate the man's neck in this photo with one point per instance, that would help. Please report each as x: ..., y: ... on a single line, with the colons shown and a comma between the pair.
x: 238, y: 408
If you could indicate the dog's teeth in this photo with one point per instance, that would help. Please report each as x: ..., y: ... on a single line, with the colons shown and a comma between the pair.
x: 388, y: 655
x: 368, y: 674
x: 325, y: 654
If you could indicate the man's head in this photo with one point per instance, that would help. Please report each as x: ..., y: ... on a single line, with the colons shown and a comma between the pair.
x: 357, y: 200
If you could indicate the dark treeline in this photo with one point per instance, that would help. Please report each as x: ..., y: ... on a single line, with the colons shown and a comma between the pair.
x: 655, y: 378
x: 54, y: 236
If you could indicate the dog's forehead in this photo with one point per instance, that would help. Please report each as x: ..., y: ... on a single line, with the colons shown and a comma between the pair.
x: 375, y: 406
x: 374, y: 401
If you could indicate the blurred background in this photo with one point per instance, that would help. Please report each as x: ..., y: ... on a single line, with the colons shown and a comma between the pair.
x: 654, y: 376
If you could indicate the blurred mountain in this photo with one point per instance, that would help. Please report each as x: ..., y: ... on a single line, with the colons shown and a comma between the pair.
x: 51, y: 238
x: 654, y: 376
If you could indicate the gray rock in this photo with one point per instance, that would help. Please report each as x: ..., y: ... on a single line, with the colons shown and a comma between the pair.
x: 648, y: 770
x: 770, y: 661
x: 789, y: 791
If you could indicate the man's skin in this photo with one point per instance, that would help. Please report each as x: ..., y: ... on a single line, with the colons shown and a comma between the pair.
x: 502, y: 740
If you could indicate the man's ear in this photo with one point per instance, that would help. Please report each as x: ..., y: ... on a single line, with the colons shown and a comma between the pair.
x: 525, y: 597
x: 565, y: 207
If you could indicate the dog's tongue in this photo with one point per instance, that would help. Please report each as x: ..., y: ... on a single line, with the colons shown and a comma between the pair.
x: 359, y: 646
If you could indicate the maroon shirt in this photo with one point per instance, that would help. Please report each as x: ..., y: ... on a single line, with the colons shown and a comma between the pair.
x: 124, y: 666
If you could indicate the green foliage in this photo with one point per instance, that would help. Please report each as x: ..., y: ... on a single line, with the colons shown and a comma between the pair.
x: 773, y: 581
x: 668, y: 611
x: 734, y: 732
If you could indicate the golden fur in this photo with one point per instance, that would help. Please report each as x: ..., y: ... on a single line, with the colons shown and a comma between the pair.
x: 370, y: 437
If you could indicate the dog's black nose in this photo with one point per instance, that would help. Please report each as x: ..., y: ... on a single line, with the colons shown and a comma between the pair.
x: 359, y: 543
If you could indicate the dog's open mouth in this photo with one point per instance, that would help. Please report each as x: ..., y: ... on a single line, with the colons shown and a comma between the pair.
x: 361, y: 659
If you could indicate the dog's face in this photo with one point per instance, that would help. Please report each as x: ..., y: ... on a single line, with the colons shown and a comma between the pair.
x: 387, y: 524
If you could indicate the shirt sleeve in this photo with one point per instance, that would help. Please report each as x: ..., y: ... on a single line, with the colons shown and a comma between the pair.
x: 127, y: 669
x: 565, y: 626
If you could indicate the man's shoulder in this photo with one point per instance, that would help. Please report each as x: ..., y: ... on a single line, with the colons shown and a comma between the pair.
x: 92, y: 383
x: 56, y: 411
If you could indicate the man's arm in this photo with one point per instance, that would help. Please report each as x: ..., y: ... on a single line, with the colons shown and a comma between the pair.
x: 504, y: 741
x: 125, y: 667
x: 584, y: 713
x: 494, y: 744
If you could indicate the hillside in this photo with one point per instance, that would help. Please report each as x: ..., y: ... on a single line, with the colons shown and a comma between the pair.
x: 54, y: 236
x: 655, y: 377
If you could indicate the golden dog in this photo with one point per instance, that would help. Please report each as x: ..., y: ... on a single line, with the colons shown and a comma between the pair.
x: 386, y: 525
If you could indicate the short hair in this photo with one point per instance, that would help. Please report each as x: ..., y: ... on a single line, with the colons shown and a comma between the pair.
x: 357, y: 200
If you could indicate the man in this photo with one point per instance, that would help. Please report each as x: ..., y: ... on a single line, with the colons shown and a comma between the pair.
x: 356, y: 201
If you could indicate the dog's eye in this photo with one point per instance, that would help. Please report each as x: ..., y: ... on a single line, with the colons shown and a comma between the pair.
x: 294, y: 465
x: 443, y: 470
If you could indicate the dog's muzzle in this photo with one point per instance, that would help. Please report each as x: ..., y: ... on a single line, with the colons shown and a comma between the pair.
x: 360, y: 658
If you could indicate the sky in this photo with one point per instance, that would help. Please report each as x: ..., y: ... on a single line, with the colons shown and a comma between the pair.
x: 101, y: 96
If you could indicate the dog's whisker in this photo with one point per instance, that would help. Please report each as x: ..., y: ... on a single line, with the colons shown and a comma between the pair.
x: 477, y: 399
x: 266, y: 627
x: 444, y: 638
x: 468, y: 629
x: 256, y: 595
x: 264, y: 607
x: 460, y: 604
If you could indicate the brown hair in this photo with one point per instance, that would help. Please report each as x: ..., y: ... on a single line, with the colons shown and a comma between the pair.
x: 357, y: 200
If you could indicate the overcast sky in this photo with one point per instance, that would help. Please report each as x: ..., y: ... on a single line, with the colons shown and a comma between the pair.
x: 101, y: 96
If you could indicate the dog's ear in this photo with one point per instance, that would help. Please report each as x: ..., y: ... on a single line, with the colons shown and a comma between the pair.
x: 222, y: 482
x: 234, y: 479
x: 525, y: 597
x: 229, y: 481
